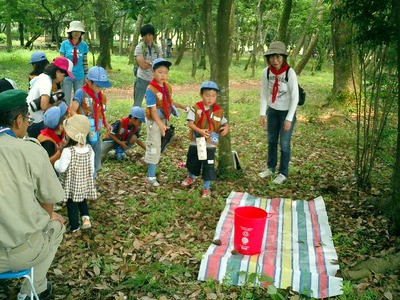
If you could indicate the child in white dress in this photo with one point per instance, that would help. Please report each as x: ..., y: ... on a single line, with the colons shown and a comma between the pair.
x: 76, y: 168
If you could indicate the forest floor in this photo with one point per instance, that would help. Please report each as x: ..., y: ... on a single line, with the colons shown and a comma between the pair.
x: 146, y: 243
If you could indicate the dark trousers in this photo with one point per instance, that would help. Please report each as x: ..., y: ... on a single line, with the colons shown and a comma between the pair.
x: 204, y: 167
x: 74, y: 208
x: 275, y: 132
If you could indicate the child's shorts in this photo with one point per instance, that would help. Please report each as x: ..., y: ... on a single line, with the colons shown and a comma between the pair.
x: 195, y: 166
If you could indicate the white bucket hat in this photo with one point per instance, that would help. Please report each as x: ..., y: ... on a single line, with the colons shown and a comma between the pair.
x: 77, y: 128
x: 75, y: 26
x: 276, y: 48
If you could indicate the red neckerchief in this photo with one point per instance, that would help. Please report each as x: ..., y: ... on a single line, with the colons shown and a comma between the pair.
x: 213, y: 108
x: 277, y: 73
x: 125, y: 125
x: 98, y: 102
x: 75, y: 55
x: 166, y: 97
x: 50, y: 133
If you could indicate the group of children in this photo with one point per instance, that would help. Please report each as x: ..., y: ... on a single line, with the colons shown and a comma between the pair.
x: 71, y: 135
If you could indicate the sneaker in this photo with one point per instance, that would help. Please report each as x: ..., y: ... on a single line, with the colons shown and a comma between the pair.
x: 152, y: 181
x: 188, y: 181
x: 279, y: 179
x: 266, y: 173
x: 86, y: 224
x: 205, y: 194
x: 69, y: 230
x: 43, y: 295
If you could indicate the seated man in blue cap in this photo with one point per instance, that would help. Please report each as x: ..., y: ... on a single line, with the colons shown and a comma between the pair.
x: 30, y: 230
x: 124, y: 134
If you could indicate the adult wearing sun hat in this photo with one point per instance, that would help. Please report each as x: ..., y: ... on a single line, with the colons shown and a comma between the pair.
x: 279, y: 98
x: 30, y: 231
x: 76, y: 50
x: 40, y: 94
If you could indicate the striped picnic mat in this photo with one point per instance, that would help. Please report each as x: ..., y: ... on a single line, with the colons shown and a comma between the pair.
x: 297, y: 249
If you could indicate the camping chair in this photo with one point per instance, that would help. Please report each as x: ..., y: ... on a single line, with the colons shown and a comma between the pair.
x: 27, y: 273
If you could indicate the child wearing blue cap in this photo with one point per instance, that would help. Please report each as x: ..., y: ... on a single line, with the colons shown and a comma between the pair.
x: 90, y: 102
x: 206, y: 122
x: 124, y: 134
x: 159, y: 107
x: 52, y: 137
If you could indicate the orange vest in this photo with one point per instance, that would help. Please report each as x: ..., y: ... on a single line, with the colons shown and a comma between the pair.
x: 201, y: 121
x: 159, y: 102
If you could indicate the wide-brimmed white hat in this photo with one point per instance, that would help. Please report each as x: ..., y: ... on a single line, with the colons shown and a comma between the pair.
x: 276, y: 48
x: 77, y: 128
x: 75, y: 26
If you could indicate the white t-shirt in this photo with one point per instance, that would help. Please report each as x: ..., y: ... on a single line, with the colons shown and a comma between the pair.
x: 151, y: 54
x: 287, y: 97
x: 39, y: 85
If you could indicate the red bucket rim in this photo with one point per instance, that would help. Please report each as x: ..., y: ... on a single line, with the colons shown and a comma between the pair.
x: 258, y: 209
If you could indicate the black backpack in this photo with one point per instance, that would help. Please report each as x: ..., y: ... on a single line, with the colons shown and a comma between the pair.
x: 302, y: 93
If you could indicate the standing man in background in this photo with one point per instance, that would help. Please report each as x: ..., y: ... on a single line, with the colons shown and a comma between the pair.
x: 145, y: 52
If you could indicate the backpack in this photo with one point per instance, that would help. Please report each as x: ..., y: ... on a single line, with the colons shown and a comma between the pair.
x: 144, y: 51
x: 302, y: 93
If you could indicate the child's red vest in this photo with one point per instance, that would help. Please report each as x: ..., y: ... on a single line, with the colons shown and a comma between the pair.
x: 159, y: 100
x: 212, y: 123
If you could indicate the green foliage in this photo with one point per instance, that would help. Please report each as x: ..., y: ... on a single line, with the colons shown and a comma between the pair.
x: 374, y: 20
x: 3, y: 38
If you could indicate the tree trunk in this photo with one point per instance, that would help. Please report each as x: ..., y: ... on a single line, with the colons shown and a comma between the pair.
x: 21, y: 34
x: 104, y: 17
x: 121, y: 35
x: 313, y: 43
x: 300, y: 42
x: 395, y: 201
x: 181, y: 48
x: 343, y: 56
x: 224, y: 51
x: 209, y: 36
x: 8, y: 34
x: 136, y: 35
x: 284, y: 21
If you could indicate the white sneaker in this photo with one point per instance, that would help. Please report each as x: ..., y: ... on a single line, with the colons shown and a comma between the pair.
x: 279, y: 179
x: 152, y: 181
x: 266, y: 173
x: 86, y: 224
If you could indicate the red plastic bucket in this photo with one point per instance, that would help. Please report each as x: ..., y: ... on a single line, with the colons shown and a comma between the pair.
x: 249, y: 229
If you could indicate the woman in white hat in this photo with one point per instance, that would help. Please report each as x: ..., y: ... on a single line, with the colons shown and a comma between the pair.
x: 76, y: 50
x: 279, y: 98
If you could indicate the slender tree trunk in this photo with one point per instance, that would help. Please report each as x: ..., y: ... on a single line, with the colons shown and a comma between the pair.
x: 8, y: 34
x: 136, y: 35
x: 181, y: 48
x: 343, y: 56
x: 284, y: 21
x: 209, y: 36
x: 300, y: 42
x: 121, y: 35
x: 21, y: 34
x: 313, y: 43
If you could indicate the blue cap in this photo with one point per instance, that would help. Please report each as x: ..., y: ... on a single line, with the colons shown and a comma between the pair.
x: 138, y: 113
x: 37, y: 57
x: 52, y: 116
x: 99, y: 76
x: 161, y: 62
x: 209, y: 85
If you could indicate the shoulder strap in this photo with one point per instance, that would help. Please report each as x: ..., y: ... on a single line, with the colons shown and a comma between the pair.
x: 286, y: 75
